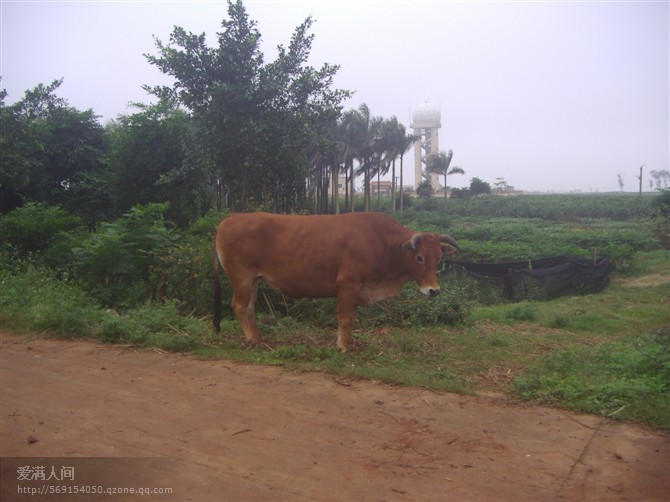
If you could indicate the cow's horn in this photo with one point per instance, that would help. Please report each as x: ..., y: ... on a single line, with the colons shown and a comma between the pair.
x: 449, y: 240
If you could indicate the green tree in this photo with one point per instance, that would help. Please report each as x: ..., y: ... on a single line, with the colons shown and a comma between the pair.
x: 352, y: 135
x: 397, y: 146
x: 375, y: 142
x: 439, y: 163
x: 425, y: 190
x: 48, y: 148
x: 14, y: 158
x: 154, y: 158
x: 259, y: 121
x: 405, y: 145
x: 479, y: 187
x: 370, y: 150
x: 46, y: 233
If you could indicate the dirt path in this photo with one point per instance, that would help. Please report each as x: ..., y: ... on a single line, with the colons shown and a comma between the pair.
x: 218, y: 430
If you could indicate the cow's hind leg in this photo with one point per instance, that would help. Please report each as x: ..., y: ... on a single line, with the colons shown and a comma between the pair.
x: 244, y: 303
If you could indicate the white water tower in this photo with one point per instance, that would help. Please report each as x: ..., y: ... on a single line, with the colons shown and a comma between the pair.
x: 425, y: 122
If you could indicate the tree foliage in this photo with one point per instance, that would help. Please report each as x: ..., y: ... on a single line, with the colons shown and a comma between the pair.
x: 113, y: 264
x: 479, y: 187
x: 231, y: 131
x: 48, y: 148
x: 438, y: 163
x: 259, y: 120
x: 155, y: 157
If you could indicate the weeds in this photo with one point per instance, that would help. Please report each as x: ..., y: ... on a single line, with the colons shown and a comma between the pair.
x: 628, y: 379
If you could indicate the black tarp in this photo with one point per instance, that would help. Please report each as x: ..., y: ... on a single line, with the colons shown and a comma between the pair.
x: 539, y: 279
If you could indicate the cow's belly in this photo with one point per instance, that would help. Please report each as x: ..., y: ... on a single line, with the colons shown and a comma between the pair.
x: 377, y: 293
x: 300, y: 286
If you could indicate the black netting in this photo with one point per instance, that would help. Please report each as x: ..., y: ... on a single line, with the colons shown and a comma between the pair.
x: 540, y: 279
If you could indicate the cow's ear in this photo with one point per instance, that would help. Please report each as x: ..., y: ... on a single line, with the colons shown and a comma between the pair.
x: 410, y: 245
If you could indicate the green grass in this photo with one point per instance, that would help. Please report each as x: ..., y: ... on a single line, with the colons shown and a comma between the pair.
x: 34, y: 300
x: 629, y: 379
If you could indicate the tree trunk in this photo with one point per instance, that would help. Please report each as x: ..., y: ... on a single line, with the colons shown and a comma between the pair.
x: 353, y: 190
x: 336, y: 189
x: 346, y: 187
x: 393, y: 186
x: 379, y: 192
x: 402, y: 193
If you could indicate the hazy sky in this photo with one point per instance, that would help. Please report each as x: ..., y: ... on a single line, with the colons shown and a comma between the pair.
x: 551, y: 96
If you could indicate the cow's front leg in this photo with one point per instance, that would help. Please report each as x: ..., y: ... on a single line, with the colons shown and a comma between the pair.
x: 347, y: 303
x: 244, y: 303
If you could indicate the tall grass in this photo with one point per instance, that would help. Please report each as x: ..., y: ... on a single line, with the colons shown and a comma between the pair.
x: 35, y: 300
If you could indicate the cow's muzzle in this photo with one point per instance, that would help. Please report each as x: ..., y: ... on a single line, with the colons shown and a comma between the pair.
x: 430, y: 291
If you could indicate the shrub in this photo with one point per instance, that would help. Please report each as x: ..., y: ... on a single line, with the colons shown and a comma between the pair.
x: 660, y: 218
x: 184, y: 273
x: 34, y: 299
x: 47, y: 233
x: 412, y: 308
x: 113, y: 263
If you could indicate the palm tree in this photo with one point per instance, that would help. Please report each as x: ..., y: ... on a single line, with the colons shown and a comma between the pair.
x: 385, y: 151
x: 375, y: 143
x: 399, y: 143
x: 352, y: 133
x: 438, y: 163
x: 369, y: 143
x: 406, y: 144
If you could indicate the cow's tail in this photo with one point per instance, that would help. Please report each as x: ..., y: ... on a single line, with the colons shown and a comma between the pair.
x: 217, y: 292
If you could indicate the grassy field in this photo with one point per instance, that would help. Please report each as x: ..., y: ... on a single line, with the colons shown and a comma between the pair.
x: 606, y: 353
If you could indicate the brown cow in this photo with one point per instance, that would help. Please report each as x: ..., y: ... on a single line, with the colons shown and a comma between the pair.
x: 360, y: 258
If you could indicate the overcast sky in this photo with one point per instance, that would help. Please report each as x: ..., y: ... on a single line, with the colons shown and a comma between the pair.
x: 550, y: 96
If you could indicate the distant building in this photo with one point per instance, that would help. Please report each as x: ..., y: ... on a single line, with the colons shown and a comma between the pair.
x: 383, y: 188
x: 426, y: 122
x: 341, y: 182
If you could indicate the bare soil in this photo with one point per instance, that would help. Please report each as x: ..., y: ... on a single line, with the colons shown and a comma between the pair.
x: 213, y: 430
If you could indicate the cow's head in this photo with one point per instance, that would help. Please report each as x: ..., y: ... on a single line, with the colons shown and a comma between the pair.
x: 426, y: 252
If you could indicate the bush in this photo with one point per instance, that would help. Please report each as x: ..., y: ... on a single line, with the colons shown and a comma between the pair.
x: 113, y: 264
x: 34, y: 299
x: 412, y: 308
x: 38, y: 231
x: 184, y: 273
x: 660, y: 217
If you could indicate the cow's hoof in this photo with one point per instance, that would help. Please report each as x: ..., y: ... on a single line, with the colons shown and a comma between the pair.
x: 345, y: 347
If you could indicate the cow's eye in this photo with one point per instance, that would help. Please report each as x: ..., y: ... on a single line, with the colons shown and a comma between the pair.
x: 420, y: 259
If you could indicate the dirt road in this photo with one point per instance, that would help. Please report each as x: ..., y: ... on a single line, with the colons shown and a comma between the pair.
x: 217, y: 430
